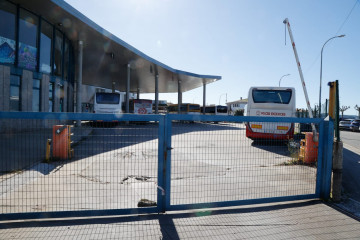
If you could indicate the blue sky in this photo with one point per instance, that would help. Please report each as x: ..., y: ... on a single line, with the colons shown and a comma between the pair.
x: 242, y: 41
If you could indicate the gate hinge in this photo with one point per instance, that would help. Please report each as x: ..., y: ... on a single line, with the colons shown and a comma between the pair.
x: 162, y: 190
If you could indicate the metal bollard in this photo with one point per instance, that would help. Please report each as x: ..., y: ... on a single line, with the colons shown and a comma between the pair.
x: 48, y: 148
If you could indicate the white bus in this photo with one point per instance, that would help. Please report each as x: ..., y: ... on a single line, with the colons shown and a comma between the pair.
x: 106, y: 102
x: 215, y: 110
x: 270, y: 102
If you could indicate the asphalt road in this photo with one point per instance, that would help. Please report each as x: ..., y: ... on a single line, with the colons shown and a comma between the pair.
x: 351, y: 164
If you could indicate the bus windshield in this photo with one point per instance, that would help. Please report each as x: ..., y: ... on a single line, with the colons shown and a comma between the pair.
x: 107, y: 98
x: 210, y: 109
x: 272, y: 96
x: 222, y: 109
x: 194, y: 107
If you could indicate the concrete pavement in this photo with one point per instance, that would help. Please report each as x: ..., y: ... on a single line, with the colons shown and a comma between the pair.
x: 97, y: 182
x: 295, y: 220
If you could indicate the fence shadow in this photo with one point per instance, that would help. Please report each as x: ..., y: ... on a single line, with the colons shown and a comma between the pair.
x: 350, y: 180
x: 171, y: 225
x: 24, y: 150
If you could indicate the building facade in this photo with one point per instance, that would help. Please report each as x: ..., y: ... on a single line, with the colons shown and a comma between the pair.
x: 42, y: 42
x: 36, y: 63
x: 236, y: 105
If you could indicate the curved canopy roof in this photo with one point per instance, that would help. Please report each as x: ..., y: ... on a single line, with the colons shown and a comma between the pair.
x: 105, y: 56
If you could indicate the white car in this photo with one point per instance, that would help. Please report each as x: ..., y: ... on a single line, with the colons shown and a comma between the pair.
x: 355, y: 125
x: 345, y: 124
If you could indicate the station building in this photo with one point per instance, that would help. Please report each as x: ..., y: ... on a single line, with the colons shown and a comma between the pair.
x: 237, y: 105
x: 50, y: 52
x: 36, y: 62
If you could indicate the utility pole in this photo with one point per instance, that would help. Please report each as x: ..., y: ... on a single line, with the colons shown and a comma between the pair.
x: 338, y: 144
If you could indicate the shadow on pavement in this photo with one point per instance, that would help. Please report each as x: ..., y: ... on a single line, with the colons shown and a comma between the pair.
x: 25, y: 150
x: 351, y: 171
x: 165, y: 220
x: 106, y: 139
x: 305, y: 220
x: 277, y: 147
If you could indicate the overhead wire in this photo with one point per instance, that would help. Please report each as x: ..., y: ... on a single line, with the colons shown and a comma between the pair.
x: 341, y: 26
x: 347, y: 18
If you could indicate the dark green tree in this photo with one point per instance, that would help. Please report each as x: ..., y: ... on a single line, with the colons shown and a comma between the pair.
x: 239, y: 112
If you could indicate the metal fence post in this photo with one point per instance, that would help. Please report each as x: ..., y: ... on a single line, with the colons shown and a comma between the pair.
x: 161, y: 165
x: 167, y: 160
x: 327, y: 160
x: 164, y: 167
x: 321, y: 158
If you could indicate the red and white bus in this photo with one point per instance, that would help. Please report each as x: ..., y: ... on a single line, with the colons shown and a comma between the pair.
x: 270, y: 102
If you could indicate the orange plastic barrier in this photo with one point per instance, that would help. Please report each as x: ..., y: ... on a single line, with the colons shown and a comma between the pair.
x: 311, y: 148
x: 61, y: 142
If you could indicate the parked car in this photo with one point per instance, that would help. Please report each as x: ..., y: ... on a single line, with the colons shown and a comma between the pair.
x: 355, y: 125
x: 345, y: 124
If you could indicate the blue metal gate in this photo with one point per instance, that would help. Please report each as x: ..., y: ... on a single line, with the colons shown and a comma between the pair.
x: 134, y: 164
x: 215, y: 165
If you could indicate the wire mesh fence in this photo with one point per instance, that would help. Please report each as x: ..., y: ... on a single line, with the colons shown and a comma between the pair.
x: 217, y: 162
x: 153, y: 162
x: 105, y: 166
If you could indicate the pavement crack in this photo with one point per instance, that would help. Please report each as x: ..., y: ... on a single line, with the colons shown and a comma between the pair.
x: 92, y: 179
x: 133, y: 179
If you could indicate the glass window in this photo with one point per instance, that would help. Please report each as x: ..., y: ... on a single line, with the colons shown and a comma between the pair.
x: 272, y: 96
x: 27, y: 52
x: 172, y: 108
x: 62, y: 98
x: 183, y: 108
x: 71, y: 63
x: 66, y: 59
x: 107, y: 98
x: 210, y: 110
x: 194, y: 107
x: 58, y: 53
x: 14, y: 93
x: 45, y: 47
x: 221, y: 109
x: 36, y: 96
x: 7, y: 32
x: 51, y: 97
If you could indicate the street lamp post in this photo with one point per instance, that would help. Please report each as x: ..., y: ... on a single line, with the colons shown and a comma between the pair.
x: 282, y: 77
x: 340, y: 36
x: 221, y: 96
